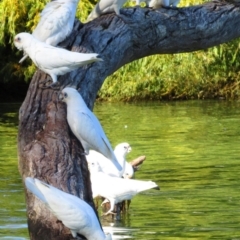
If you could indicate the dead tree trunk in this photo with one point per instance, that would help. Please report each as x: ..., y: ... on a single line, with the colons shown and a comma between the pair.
x: 47, y: 149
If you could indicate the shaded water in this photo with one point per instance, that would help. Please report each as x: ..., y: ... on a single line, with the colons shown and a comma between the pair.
x: 192, y: 151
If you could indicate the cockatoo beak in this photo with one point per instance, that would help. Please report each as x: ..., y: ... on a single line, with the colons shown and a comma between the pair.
x: 129, y: 149
x: 17, y: 41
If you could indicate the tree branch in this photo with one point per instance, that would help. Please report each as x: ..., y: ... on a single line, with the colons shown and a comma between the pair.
x: 140, y: 32
x: 47, y: 149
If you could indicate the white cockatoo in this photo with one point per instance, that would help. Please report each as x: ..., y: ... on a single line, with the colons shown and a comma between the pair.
x: 155, y: 4
x: 52, y: 60
x: 75, y: 214
x: 115, y: 189
x: 56, y: 22
x: 138, y: 2
x: 106, y: 6
x: 120, y: 151
x: 85, y: 125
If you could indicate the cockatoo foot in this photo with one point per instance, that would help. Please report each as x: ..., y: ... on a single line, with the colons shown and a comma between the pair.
x: 54, y: 86
x: 44, y: 84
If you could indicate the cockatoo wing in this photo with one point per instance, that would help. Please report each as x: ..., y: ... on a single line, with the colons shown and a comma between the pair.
x: 95, y: 156
x: 91, y: 133
x: 127, y: 188
x: 66, y: 207
x: 108, y: 152
x: 61, y: 58
x: 31, y: 186
x: 85, y: 126
x: 106, y: 166
x: 50, y: 8
x: 56, y: 19
x: 88, y: 130
x: 119, y: 188
x: 75, y: 214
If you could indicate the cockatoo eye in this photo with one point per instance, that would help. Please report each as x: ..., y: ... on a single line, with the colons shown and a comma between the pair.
x: 65, y: 95
x: 17, y: 39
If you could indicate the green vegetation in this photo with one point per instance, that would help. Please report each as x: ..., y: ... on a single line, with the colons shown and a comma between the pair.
x: 213, y: 73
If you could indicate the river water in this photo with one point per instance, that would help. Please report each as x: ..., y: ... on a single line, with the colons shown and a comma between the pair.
x: 192, y: 152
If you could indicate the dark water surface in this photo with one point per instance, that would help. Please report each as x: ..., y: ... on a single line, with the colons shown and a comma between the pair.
x: 192, y: 151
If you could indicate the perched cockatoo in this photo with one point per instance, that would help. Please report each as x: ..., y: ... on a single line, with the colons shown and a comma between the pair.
x: 155, y: 4
x: 75, y: 214
x: 52, y: 60
x: 115, y: 189
x: 85, y: 125
x: 120, y: 151
x: 106, y: 6
x: 56, y: 22
x: 139, y: 1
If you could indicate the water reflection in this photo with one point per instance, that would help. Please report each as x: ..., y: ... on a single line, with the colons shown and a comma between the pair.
x: 119, y: 232
x: 192, y: 151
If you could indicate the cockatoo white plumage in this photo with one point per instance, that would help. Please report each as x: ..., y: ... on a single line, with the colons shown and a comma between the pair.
x: 52, y: 60
x: 56, y: 22
x: 75, y: 214
x: 106, y: 6
x: 115, y: 189
x: 85, y: 125
x: 139, y: 1
x: 120, y: 151
x: 155, y: 4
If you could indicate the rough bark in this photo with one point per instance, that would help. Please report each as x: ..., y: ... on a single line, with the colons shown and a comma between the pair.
x: 47, y: 148
x: 137, y: 163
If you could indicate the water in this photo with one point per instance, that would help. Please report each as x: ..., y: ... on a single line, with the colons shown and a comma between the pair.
x: 12, y: 203
x: 192, y: 151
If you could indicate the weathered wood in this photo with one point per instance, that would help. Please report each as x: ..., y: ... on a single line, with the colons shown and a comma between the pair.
x: 136, y: 163
x: 47, y: 149
x: 141, y: 32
